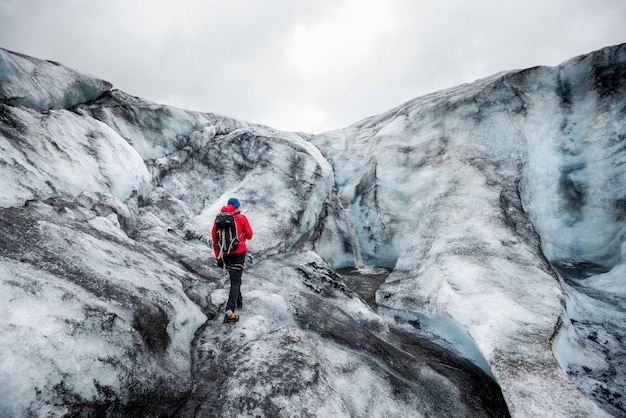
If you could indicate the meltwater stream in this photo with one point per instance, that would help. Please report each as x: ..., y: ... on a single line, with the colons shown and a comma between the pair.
x: 441, y: 329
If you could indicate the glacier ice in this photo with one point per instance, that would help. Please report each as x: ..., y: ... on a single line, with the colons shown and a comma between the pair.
x: 45, y: 85
x: 496, y: 206
x: 84, y: 308
x: 440, y: 188
x: 574, y: 187
x: 58, y: 153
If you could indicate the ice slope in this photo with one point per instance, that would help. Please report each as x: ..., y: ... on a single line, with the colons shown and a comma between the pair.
x: 44, y: 85
x: 59, y: 153
x: 476, y: 196
x: 90, y: 317
x: 461, y: 190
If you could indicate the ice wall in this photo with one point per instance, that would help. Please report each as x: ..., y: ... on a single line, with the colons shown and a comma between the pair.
x: 60, y: 154
x: 574, y: 185
x: 469, y: 192
x: 44, y: 85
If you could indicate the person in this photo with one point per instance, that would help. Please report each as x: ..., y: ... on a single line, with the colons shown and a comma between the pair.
x: 234, y: 260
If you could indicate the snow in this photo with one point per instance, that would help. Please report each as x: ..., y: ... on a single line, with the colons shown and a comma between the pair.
x: 498, y: 205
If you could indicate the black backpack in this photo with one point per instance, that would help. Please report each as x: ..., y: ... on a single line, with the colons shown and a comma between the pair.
x: 226, y: 232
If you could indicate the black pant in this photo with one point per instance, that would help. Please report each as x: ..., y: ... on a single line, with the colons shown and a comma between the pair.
x: 234, y: 264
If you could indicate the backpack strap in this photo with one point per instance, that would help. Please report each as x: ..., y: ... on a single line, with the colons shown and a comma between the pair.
x: 236, y: 237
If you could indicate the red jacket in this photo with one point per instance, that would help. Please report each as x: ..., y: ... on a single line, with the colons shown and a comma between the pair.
x: 244, y: 231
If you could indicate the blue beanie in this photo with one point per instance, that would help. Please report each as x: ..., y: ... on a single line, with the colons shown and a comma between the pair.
x: 235, y: 202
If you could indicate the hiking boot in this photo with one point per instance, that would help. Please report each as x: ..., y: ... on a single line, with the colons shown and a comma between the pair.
x: 231, y: 317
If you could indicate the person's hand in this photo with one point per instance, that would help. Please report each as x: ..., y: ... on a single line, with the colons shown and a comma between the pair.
x: 220, y: 263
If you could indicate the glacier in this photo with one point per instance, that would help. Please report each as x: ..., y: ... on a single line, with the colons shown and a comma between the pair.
x: 459, y: 255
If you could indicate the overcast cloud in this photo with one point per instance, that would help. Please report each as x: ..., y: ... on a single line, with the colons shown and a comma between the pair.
x: 304, y: 65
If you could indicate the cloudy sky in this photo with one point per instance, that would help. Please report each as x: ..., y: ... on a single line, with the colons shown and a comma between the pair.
x: 304, y: 65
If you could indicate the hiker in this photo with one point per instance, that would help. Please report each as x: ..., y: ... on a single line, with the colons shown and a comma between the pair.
x: 231, y: 229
